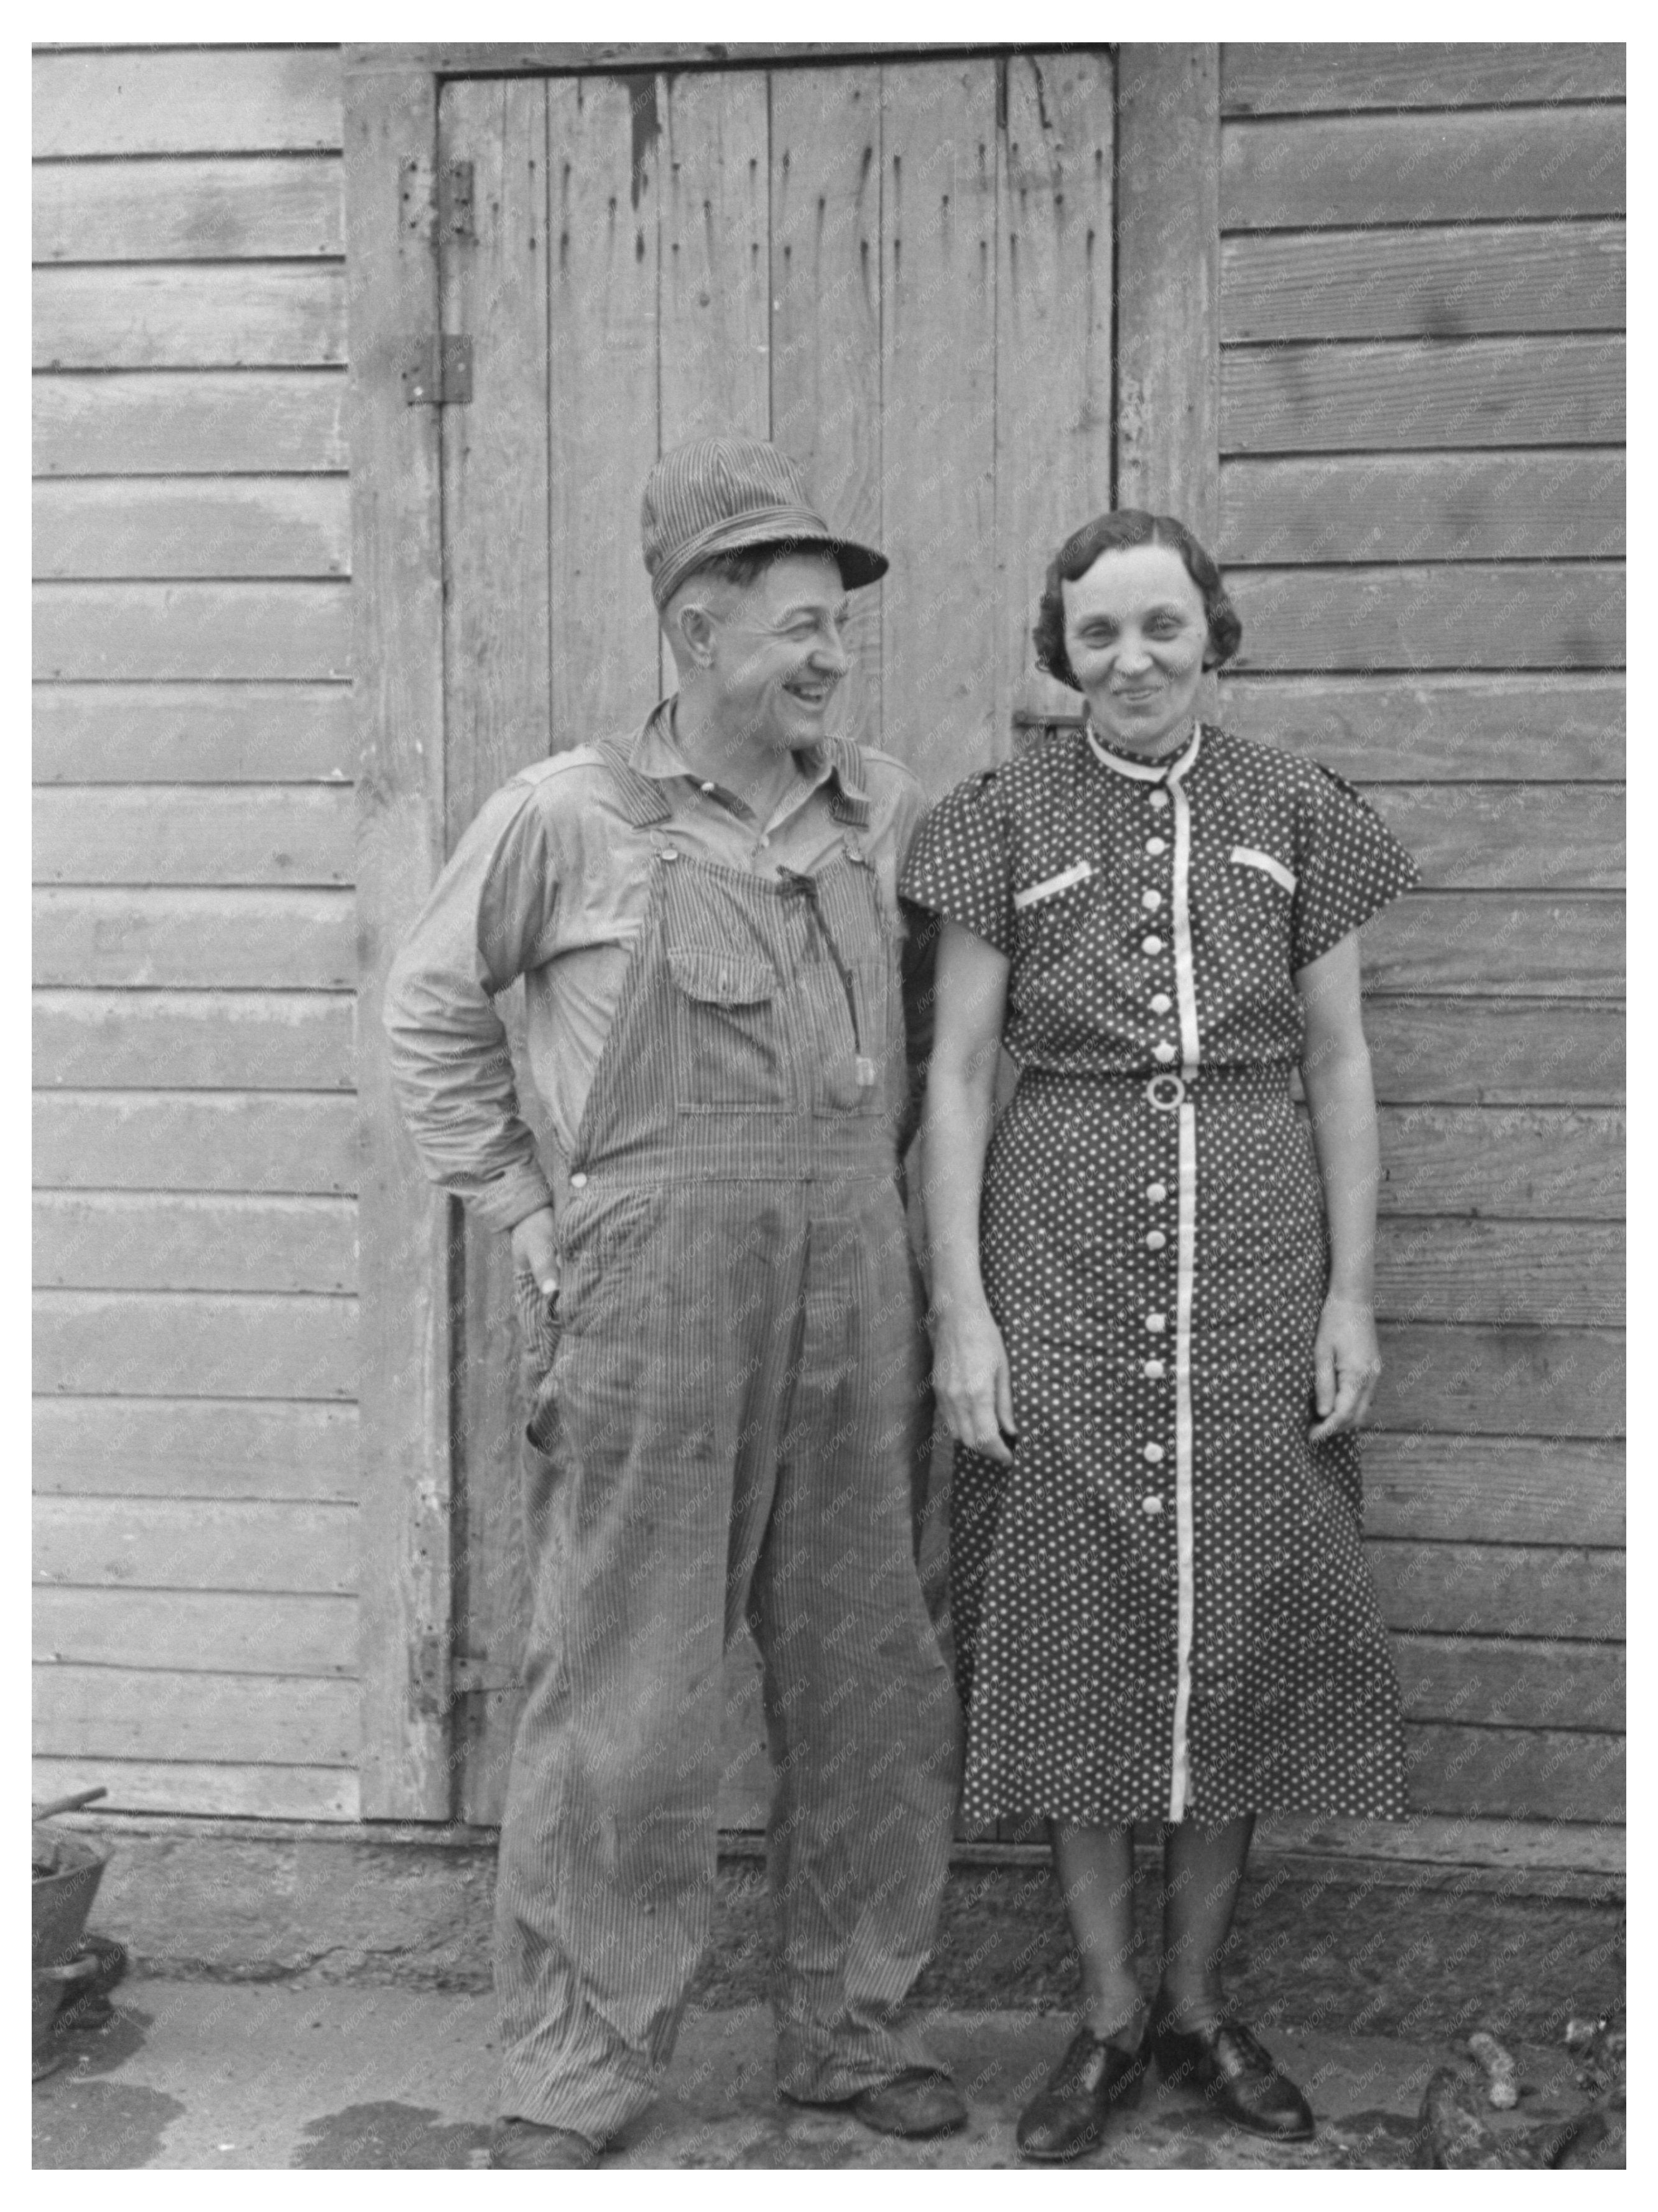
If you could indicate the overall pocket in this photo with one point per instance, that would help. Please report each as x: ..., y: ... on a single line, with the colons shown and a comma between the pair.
x: 728, y: 1041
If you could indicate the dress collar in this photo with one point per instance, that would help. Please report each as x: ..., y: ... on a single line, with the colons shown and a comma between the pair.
x: 1169, y: 769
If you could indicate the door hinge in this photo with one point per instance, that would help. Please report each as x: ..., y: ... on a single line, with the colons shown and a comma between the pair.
x: 428, y: 1673
x: 437, y: 371
x: 455, y: 200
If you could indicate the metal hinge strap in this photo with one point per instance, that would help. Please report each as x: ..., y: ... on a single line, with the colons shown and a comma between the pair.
x: 437, y: 371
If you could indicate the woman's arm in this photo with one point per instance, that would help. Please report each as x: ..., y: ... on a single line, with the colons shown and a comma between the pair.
x: 969, y: 1370
x: 1335, y: 1071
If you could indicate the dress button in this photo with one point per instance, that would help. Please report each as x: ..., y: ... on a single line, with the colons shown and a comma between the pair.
x: 1151, y: 1503
x: 1155, y: 1240
x: 1155, y: 1324
x: 1159, y: 800
x: 1154, y: 1370
x: 578, y: 1183
x: 1150, y: 944
x: 1154, y: 1453
x: 1155, y: 845
x: 1161, y: 1002
x: 1151, y: 900
x: 1157, y: 1191
x: 1164, y: 1053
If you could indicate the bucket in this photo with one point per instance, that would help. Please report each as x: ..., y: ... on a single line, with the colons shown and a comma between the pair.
x: 62, y: 1899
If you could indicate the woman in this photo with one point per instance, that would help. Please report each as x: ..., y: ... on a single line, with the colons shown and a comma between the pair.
x: 1154, y: 1337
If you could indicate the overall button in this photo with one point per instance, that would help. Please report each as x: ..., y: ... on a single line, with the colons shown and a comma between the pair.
x: 1157, y: 1191
x: 578, y: 1183
x: 1165, y: 1053
x: 1155, y: 845
x: 1154, y: 1453
x: 707, y: 790
x: 1150, y: 944
x: 1155, y: 1324
x: 1151, y: 1503
x: 1151, y: 900
x: 1161, y: 1002
x: 1155, y: 1240
x: 1154, y: 1370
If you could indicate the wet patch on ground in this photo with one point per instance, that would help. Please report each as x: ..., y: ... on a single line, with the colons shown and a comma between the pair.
x: 389, y: 2136
x: 99, y: 2125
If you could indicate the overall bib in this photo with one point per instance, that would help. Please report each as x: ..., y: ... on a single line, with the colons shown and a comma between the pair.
x: 734, y: 1416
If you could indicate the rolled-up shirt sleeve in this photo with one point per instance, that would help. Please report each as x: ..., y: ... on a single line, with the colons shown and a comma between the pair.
x: 490, y: 918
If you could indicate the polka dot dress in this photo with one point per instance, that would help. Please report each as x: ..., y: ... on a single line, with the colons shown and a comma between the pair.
x: 1161, y: 1609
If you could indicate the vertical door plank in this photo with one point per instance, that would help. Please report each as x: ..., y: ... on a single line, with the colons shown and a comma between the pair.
x: 496, y: 623
x: 938, y: 382
x: 714, y: 335
x: 1053, y: 284
x: 603, y: 161
x: 826, y: 326
x: 391, y: 135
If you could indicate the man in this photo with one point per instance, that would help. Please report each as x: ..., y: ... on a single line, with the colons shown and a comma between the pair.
x: 727, y: 1369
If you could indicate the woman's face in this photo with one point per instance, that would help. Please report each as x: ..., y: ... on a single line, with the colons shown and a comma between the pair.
x: 1135, y: 633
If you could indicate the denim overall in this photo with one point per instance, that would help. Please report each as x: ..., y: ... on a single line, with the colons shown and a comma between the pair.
x: 735, y: 1411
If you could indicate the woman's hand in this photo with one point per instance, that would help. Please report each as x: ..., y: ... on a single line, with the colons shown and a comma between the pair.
x: 1347, y: 1365
x: 971, y: 1383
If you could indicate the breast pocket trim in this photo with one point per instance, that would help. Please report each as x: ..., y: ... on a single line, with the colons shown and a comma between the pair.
x: 1250, y: 857
x: 721, y: 979
x: 1051, y: 886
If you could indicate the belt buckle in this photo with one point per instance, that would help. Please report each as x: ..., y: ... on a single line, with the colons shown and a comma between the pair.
x: 1166, y: 1092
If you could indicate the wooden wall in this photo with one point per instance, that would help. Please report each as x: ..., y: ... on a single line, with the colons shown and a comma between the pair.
x: 1421, y: 418
x: 195, y: 1145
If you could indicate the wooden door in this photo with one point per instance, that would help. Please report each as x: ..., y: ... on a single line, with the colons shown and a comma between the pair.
x: 901, y: 273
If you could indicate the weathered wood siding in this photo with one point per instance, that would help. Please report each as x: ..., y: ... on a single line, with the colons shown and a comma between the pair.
x: 196, y: 1460
x: 1421, y: 412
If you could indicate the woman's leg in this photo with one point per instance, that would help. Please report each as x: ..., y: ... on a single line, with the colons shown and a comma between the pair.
x: 1203, y: 1868
x: 1095, y: 1867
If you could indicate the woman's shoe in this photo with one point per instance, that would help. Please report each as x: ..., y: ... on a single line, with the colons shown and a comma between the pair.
x: 1069, y: 2114
x: 1235, y: 2073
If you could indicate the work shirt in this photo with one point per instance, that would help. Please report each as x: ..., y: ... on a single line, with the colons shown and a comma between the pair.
x: 550, y: 882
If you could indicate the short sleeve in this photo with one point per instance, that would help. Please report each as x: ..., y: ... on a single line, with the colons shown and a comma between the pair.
x: 1349, y: 867
x: 959, y: 865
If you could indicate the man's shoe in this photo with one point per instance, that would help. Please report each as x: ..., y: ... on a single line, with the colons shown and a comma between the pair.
x: 917, y: 2102
x: 514, y: 2143
x: 1236, y: 2073
x: 1068, y: 2116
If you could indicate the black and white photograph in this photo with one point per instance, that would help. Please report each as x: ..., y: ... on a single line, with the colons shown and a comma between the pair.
x: 828, y: 1061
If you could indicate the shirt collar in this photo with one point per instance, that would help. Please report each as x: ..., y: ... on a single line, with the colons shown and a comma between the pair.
x: 1168, y: 770
x: 836, y: 761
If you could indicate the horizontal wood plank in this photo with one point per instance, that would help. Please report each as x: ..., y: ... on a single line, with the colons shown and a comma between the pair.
x: 1534, y: 506
x: 1452, y: 1380
x: 251, y: 315
x: 179, y: 1448
x: 206, y: 733
x: 1512, y: 1682
x: 1505, y: 164
x: 1498, y: 944
x: 300, y: 1141
x: 140, y: 1241
x: 1444, y: 282
x: 1386, y: 394
x: 187, y: 100
x: 204, y: 1789
x: 140, y: 527
x: 1494, y: 1490
x: 209, y: 1344
x: 194, y: 1040
x: 195, y: 1544
x: 1408, y: 729
x: 1514, y: 1163
x: 1553, y: 1274
x: 297, y: 631
x: 1518, y: 836
x: 1500, y: 1589
x: 1302, y: 77
x: 192, y: 209
x: 1536, y: 1773
x: 285, y: 940
x: 1494, y: 1052
x: 196, y: 1631
x: 193, y: 834
x: 115, y: 1712
x: 1429, y: 615
x: 190, y: 423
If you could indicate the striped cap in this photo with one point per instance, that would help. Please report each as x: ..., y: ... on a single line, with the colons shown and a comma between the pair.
x: 716, y: 494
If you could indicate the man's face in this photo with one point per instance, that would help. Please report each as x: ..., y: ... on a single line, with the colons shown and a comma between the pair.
x: 779, y: 652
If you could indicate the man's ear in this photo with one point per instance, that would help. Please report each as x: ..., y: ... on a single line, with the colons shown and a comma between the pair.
x: 696, y: 626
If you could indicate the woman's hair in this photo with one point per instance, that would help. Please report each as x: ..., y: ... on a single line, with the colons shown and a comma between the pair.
x: 1115, y: 533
